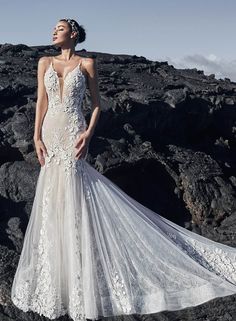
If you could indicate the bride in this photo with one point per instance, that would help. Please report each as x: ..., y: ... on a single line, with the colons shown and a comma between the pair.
x: 90, y: 250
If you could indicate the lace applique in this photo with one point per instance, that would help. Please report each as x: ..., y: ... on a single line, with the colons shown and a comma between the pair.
x: 44, y: 299
x: 86, y: 184
x: 119, y: 291
x: 65, y: 157
x: 61, y: 152
x: 76, y: 303
x: 51, y: 88
x: 73, y: 91
x: 60, y: 144
x: 22, y: 295
x: 76, y: 299
x: 213, y: 258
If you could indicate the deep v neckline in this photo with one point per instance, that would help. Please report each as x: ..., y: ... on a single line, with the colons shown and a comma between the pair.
x: 61, y: 91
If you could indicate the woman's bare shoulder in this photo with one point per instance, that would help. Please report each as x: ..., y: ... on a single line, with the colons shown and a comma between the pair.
x: 89, y: 64
x: 44, y: 60
x: 88, y: 60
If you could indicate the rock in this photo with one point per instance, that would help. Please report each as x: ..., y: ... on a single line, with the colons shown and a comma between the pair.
x: 171, y: 129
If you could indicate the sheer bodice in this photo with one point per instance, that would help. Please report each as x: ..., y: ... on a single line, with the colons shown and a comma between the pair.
x: 64, y: 120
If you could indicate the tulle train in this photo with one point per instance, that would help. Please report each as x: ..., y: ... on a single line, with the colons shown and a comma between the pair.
x: 90, y: 250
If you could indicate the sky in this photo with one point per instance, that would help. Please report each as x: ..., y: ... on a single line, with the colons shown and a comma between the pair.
x: 188, y: 34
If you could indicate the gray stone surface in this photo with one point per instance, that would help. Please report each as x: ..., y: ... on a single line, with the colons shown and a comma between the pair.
x: 172, y: 130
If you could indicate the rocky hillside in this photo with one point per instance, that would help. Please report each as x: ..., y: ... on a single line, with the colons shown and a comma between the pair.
x: 166, y: 136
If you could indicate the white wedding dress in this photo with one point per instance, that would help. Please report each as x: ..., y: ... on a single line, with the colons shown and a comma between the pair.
x: 90, y: 250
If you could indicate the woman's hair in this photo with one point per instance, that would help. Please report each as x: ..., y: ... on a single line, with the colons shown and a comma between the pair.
x: 81, y: 31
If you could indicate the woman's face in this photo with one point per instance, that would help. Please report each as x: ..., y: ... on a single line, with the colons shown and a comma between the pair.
x: 61, y: 34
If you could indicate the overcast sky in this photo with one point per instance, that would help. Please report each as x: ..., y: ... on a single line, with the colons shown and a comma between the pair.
x: 189, y: 33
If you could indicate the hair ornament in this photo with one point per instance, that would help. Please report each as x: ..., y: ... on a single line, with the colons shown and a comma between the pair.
x: 74, y: 27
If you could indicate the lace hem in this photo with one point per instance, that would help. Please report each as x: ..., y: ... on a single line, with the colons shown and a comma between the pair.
x: 152, y: 303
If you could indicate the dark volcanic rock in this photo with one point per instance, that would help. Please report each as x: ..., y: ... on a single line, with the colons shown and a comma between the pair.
x: 166, y: 136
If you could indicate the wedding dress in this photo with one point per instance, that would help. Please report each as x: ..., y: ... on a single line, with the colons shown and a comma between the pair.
x: 90, y: 250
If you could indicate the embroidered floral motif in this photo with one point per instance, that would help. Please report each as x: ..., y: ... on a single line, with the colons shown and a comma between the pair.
x: 21, y: 296
x: 76, y: 299
x: 73, y: 90
x: 60, y: 144
x: 44, y: 299
x: 85, y: 180
x: 76, y: 304
x: 120, y: 293
x: 60, y: 152
x: 213, y: 258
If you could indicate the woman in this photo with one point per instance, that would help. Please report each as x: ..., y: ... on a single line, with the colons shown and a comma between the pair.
x: 90, y: 250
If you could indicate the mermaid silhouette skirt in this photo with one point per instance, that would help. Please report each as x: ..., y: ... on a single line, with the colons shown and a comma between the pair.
x: 90, y: 250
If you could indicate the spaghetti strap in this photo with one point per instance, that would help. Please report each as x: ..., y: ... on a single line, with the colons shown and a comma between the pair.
x: 80, y: 65
x: 51, y: 62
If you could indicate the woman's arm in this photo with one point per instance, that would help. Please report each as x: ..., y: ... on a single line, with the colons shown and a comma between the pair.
x: 42, y: 101
x: 92, y: 81
x: 41, y: 108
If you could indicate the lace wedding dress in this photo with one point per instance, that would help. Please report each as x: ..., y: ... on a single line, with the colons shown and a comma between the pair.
x: 90, y: 250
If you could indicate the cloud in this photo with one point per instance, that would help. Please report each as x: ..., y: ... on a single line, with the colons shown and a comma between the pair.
x: 210, y: 64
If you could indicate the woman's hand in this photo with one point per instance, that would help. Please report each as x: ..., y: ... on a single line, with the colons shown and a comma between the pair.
x: 41, y: 151
x: 82, y: 144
